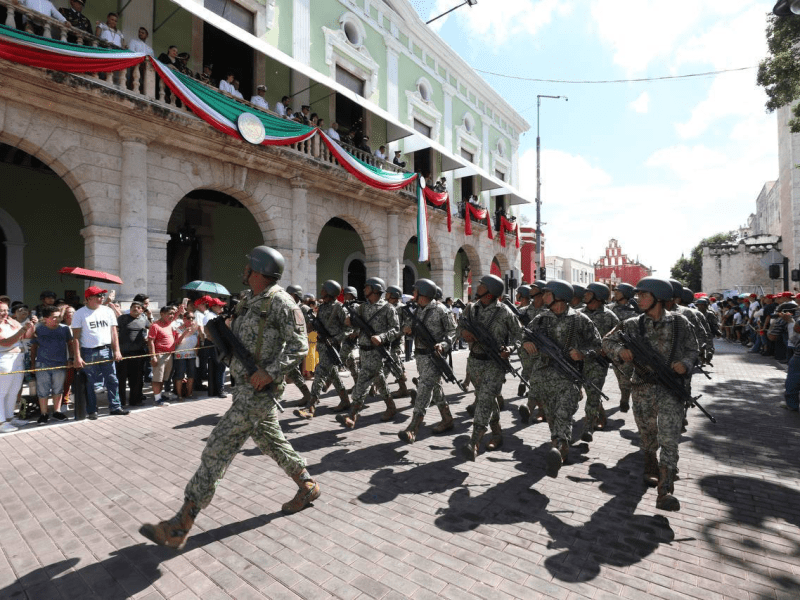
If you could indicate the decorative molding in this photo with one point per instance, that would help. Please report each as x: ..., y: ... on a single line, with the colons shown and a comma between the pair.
x: 357, y: 60
x: 468, y: 142
x: 424, y: 112
x: 269, y: 14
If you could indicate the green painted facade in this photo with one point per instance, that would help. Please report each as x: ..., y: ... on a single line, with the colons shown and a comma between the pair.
x: 334, y: 246
x: 410, y: 254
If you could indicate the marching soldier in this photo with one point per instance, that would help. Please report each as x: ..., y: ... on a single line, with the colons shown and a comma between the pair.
x: 330, y: 318
x: 524, y: 301
x: 707, y: 345
x: 434, y: 317
x: 382, y: 318
x: 270, y: 325
x: 596, y: 368
x: 488, y: 377
x: 349, y: 343
x: 577, y: 336
x: 658, y: 414
x: 393, y: 296
x: 295, y: 375
x: 625, y: 308
x: 577, y: 300
x: 535, y: 307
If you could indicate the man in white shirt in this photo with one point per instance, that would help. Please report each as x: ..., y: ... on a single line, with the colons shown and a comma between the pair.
x: 381, y: 153
x: 280, y: 108
x: 236, y: 93
x: 44, y: 7
x: 226, y: 85
x: 333, y: 132
x: 108, y: 31
x: 258, y: 99
x: 140, y: 45
x: 94, y: 327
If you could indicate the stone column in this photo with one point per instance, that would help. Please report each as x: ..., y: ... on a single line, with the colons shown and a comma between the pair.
x: 394, y: 252
x: 157, y: 259
x: 298, y: 236
x: 379, y: 268
x: 133, y: 214
x: 102, y: 250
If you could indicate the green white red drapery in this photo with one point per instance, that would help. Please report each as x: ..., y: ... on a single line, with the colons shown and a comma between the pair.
x: 422, y: 222
x: 439, y: 199
x: 506, y: 225
x: 480, y: 214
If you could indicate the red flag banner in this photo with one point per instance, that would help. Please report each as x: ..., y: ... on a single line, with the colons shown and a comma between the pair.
x: 480, y: 214
x: 439, y: 199
x: 506, y: 225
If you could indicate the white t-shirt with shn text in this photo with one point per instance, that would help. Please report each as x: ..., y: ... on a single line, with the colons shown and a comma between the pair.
x: 95, y: 325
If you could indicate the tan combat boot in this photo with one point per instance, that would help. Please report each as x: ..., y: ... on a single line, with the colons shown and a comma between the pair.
x: 173, y: 533
x: 409, y: 434
x: 308, y: 491
x: 446, y: 424
x: 344, y: 401
x: 497, y: 436
x: 650, y: 469
x: 391, y: 409
x: 665, y: 499
x: 349, y: 419
x: 554, y: 460
x: 308, y: 411
x: 470, y: 451
x: 402, y: 391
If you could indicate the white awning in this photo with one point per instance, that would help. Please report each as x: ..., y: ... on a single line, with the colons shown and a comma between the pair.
x: 395, y: 129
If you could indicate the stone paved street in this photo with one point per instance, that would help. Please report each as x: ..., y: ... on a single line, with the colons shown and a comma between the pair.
x: 400, y: 521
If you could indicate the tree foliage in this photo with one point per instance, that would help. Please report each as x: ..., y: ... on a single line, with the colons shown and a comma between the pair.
x: 689, y: 271
x: 779, y: 73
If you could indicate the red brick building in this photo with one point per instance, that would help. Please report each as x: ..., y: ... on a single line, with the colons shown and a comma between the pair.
x: 528, y: 253
x: 615, y: 267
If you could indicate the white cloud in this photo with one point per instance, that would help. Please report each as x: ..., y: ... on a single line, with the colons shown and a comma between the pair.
x: 499, y: 22
x: 642, y: 103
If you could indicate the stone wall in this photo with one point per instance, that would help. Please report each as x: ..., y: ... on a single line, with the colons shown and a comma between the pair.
x: 739, y: 265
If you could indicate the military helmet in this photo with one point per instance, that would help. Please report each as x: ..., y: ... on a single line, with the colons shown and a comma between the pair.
x: 267, y: 261
x: 687, y: 296
x: 377, y: 284
x: 395, y: 291
x: 677, y: 288
x: 439, y: 293
x: 702, y: 300
x: 332, y: 288
x: 351, y: 290
x: 494, y: 285
x: 600, y: 291
x: 661, y: 289
x: 627, y: 290
x: 578, y: 291
x: 425, y: 287
x: 524, y: 291
x: 539, y: 285
x: 561, y: 289
x: 295, y: 290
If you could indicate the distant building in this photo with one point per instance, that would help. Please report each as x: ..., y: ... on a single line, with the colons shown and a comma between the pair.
x: 571, y: 270
x: 615, y: 267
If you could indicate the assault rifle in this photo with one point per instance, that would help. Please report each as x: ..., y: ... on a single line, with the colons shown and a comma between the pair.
x: 319, y: 327
x: 490, y: 346
x: 524, y: 319
x: 228, y: 345
x: 560, y: 359
x: 395, y: 367
x: 430, y: 342
x: 649, y: 361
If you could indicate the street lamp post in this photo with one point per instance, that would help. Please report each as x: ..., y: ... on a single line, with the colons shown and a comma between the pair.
x: 470, y: 2
x: 539, y: 184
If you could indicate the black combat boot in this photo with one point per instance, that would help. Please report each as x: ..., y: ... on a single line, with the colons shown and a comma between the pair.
x: 666, y: 486
x: 470, y: 451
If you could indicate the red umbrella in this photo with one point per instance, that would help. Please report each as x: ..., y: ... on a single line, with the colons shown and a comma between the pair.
x: 82, y: 273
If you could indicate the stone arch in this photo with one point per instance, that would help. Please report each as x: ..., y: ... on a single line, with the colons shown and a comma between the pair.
x: 460, y: 276
x: 338, y: 245
x: 502, y: 262
x: 368, y: 223
x: 12, y: 280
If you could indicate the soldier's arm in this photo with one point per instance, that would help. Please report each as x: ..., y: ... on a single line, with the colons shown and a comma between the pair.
x: 612, y: 344
x: 588, y: 336
x: 290, y: 330
x: 688, y: 345
x: 339, y: 315
x: 393, y: 331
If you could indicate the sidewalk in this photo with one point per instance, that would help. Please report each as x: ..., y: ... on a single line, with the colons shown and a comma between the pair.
x: 413, y: 521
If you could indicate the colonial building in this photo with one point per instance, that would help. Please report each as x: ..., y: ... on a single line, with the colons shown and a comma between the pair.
x: 113, y: 172
x: 530, y: 264
x: 615, y: 267
x: 571, y: 270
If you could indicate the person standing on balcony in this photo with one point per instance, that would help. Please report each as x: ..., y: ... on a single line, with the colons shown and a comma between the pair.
x: 75, y: 17
x: 108, y: 31
x: 280, y: 108
x: 259, y: 99
x: 170, y: 57
x: 381, y: 153
x: 236, y: 93
x: 226, y: 85
x: 183, y: 61
x: 140, y: 44
x: 397, y: 161
x: 43, y: 7
x: 205, y: 76
x: 333, y: 132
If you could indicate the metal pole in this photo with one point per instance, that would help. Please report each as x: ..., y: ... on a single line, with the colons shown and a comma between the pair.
x: 446, y: 13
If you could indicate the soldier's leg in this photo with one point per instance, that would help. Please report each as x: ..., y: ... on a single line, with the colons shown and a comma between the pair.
x: 487, y: 410
x: 623, y: 375
x: 527, y: 365
x: 426, y: 385
x: 296, y: 377
x: 670, y: 418
x: 565, y: 397
x: 371, y: 367
x: 645, y: 412
x: 596, y: 375
x: 440, y: 400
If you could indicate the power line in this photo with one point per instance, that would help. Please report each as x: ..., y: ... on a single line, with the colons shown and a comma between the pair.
x: 581, y: 81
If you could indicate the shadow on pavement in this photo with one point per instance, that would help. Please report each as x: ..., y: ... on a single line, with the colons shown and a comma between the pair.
x: 205, y: 420
x: 123, y: 574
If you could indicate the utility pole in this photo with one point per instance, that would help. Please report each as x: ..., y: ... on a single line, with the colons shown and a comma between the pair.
x: 539, y: 185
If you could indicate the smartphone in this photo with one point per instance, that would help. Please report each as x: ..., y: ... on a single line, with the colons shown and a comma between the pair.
x: 185, y: 302
x: 110, y: 296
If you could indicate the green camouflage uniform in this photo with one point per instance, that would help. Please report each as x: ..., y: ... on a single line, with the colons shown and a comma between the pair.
x: 526, y: 359
x: 295, y: 374
x: 382, y: 317
x: 700, y: 335
x: 623, y: 371
x: 283, y: 345
x: 484, y: 373
x: 332, y: 316
x: 658, y: 413
x: 570, y: 330
x: 605, y: 320
x: 348, y: 349
x: 396, y: 347
x: 436, y: 318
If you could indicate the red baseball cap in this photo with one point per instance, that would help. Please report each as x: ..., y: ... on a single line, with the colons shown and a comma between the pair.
x: 786, y: 295
x: 93, y: 290
x: 216, y: 302
x: 770, y: 296
x: 204, y: 300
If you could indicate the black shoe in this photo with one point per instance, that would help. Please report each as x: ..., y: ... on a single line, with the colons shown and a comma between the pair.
x: 120, y: 411
x: 92, y: 417
x: 525, y: 414
x: 201, y: 388
x: 521, y: 390
x: 43, y: 419
x: 586, y: 436
x: 59, y: 416
x: 553, y: 462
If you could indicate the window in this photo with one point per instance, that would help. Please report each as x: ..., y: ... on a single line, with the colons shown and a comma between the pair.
x: 424, y: 90
x: 350, y: 81
x: 500, y: 175
x: 468, y: 155
x: 424, y: 129
x: 230, y: 11
x: 469, y: 123
x: 352, y: 33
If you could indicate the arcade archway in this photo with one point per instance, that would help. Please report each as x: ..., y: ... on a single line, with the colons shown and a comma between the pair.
x: 341, y: 256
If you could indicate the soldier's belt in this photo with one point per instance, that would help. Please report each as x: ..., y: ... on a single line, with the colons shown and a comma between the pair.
x: 421, y: 352
x: 367, y: 348
x: 479, y: 356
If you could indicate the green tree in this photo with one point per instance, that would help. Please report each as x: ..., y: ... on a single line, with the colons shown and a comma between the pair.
x: 689, y: 271
x: 779, y: 73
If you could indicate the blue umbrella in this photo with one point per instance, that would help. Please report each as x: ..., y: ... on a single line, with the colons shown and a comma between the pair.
x: 207, y: 286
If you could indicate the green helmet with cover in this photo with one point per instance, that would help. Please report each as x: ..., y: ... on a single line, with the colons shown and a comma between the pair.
x: 600, y: 291
x: 661, y: 289
x: 561, y: 290
x: 267, y: 261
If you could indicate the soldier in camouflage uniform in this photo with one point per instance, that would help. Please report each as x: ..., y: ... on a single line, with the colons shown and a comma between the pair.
x: 524, y: 302
x: 393, y: 296
x: 436, y: 319
x: 700, y: 333
x: 270, y: 325
x: 349, y: 343
x: 575, y: 333
x: 536, y: 307
x: 713, y: 325
x: 624, y: 309
x: 331, y: 316
x: 295, y: 375
x: 658, y: 413
x: 596, y: 368
x: 503, y: 326
x: 577, y: 300
x: 382, y: 318
x: 706, y: 346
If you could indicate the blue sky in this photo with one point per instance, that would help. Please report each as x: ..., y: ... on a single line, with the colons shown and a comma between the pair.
x: 656, y: 165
